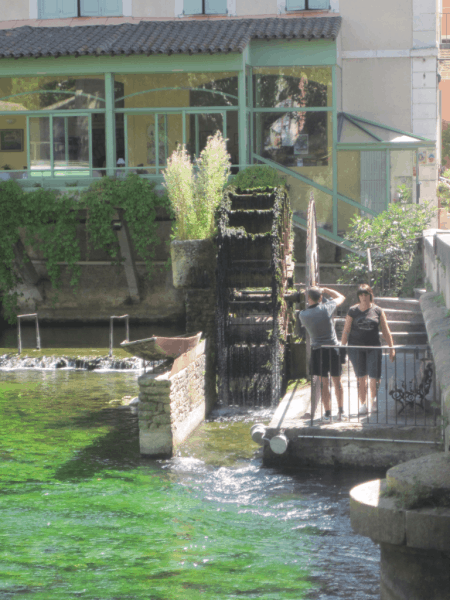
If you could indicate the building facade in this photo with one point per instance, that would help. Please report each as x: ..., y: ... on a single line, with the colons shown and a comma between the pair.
x: 340, y: 95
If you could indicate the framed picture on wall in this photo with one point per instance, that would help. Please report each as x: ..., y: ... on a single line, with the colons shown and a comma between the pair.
x: 11, y: 140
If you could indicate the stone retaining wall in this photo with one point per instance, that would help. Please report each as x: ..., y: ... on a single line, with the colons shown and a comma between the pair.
x: 171, y: 407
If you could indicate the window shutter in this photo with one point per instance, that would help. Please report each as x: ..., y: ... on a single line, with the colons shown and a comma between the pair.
x: 319, y: 4
x: 49, y: 9
x: 192, y: 7
x: 216, y: 7
x: 112, y: 8
x: 90, y: 8
x: 295, y: 4
x: 68, y: 8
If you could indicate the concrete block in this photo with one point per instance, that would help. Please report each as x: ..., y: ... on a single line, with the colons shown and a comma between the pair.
x: 424, y: 80
x: 424, y: 22
x: 374, y: 516
x: 155, y: 443
x: 424, y: 39
x: 428, y: 64
x: 424, y: 96
x: 428, y: 528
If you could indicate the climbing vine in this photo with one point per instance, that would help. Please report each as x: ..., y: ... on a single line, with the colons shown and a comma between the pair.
x: 47, y: 222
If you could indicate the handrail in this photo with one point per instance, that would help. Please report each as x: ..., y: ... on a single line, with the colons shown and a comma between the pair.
x: 19, y: 332
x: 111, y: 330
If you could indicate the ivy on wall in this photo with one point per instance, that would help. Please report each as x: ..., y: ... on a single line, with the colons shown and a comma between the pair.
x: 49, y: 221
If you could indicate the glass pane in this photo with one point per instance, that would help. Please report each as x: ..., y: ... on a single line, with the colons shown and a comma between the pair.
x: 299, y: 193
x: 176, y: 90
x: 52, y: 93
x: 71, y: 145
x: 346, y: 212
x: 98, y: 143
x: 301, y: 141
x: 292, y: 86
x: 40, y: 144
x: 362, y: 177
x: 13, y: 143
x: 403, y: 174
x: 349, y: 174
x: 151, y: 139
x: 201, y: 127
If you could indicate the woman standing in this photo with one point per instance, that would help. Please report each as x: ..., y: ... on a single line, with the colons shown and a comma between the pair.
x: 362, y: 328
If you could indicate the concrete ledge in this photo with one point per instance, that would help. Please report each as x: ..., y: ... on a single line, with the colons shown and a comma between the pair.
x: 376, y: 517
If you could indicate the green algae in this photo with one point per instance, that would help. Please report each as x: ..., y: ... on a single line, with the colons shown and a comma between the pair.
x: 83, y: 515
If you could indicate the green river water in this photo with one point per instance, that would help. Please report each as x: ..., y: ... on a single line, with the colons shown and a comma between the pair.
x: 84, y: 516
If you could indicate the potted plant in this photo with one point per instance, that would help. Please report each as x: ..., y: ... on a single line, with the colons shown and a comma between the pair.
x: 195, y: 191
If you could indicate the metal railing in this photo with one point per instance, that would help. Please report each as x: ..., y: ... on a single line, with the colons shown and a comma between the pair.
x: 19, y: 331
x: 405, y: 390
x: 111, y: 330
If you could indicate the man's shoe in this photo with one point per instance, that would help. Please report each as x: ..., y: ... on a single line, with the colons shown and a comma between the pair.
x: 374, y: 407
x: 363, y: 409
x: 326, y: 417
x: 341, y: 416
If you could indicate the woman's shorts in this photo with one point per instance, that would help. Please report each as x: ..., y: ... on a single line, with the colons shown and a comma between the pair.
x: 365, y: 362
x: 324, y: 361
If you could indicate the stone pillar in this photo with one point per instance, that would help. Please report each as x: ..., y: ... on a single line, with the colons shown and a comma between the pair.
x: 171, y: 405
x: 194, y: 270
x: 408, y: 514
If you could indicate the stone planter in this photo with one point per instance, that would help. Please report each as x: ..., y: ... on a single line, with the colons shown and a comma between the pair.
x: 193, y: 263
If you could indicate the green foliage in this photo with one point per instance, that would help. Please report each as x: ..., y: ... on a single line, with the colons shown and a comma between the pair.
x: 443, y: 192
x: 48, y: 221
x: 417, y: 496
x: 133, y: 200
x: 195, y: 190
x: 392, y: 237
x: 258, y: 176
x: 445, y: 139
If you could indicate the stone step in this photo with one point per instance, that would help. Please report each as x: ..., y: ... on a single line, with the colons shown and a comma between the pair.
x: 410, y: 338
x: 416, y: 326
x: 410, y: 304
x: 412, y: 316
x: 394, y: 326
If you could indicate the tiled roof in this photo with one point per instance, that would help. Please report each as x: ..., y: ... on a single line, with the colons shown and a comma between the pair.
x: 160, y: 37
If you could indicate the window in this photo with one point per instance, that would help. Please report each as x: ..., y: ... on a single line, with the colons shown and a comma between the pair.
x: 205, y: 7
x: 307, y: 4
x: 63, y: 9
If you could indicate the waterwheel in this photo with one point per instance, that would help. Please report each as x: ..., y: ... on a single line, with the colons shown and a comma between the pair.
x: 254, y: 271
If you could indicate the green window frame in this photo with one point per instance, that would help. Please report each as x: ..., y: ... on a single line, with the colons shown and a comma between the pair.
x: 204, y: 7
x: 64, y: 9
x: 307, y: 5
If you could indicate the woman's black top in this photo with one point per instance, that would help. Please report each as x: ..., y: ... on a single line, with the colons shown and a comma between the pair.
x: 365, y: 330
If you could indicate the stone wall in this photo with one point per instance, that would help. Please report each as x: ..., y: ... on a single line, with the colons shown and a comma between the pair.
x: 201, y: 316
x: 171, y: 406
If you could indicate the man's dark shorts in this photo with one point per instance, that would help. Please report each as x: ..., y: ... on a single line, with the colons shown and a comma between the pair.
x: 366, y: 362
x: 326, y: 360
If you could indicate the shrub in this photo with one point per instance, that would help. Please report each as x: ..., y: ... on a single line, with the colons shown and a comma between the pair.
x: 392, y: 237
x: 195, y: 190
x: 258, y: 176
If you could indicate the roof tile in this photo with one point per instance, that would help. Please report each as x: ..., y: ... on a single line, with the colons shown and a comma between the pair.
x: 160, y: 37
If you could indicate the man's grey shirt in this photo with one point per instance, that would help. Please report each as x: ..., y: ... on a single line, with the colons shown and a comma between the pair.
x: 318, y: 321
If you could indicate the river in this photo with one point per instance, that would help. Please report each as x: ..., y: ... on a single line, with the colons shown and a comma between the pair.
x: 83, y: 515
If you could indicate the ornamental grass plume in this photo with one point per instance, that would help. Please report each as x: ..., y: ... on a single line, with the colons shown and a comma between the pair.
x: 195, y: 190
x: 179, y: 182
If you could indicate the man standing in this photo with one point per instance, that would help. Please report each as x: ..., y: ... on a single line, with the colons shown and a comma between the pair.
x: 317, y: 318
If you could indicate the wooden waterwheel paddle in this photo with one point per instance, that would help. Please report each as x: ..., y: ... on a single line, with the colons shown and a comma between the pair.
x: 312, y: 252
x: 312, y: 279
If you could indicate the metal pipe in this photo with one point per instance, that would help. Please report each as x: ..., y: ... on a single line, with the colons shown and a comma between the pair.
x: 361, y: 439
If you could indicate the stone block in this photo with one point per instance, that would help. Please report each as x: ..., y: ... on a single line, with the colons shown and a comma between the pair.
x: 428, y: 528
x: 161, y: 419
x: 375, y: 516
